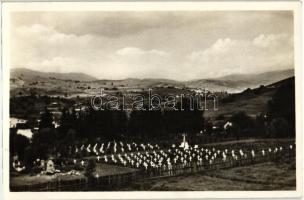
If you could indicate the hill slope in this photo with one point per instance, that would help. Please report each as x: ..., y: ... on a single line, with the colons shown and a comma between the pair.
x: 240, y: 82
x: 27, y: 74
x: 253, y: 102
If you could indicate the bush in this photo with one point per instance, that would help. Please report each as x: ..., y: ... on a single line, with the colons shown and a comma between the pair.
x: 90, y: 168
x: 242, y: 124
x: 278, y: 127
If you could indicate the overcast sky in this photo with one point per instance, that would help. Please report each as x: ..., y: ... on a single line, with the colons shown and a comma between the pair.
x: 175, y: 45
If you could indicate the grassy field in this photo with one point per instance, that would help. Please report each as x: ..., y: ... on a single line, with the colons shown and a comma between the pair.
x: 252, y: 105
x: 24, y: 180
x: 264, y: 176
x: 101, y: 170
x: 106, y: 170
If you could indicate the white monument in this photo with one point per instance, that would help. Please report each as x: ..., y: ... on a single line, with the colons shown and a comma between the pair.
x: 184, y: 143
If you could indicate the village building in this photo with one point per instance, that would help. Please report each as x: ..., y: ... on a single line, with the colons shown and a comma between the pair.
x: 14, y: 122
x: 25, y: 132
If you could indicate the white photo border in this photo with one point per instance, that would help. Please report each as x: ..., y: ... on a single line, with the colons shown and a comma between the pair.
x: 8, y: 7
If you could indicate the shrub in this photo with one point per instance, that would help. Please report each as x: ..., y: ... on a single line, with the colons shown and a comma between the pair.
x: 90, y: 168
x: 278, y: 127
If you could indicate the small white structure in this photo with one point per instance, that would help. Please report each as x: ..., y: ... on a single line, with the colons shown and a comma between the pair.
x: 184, y: 143
x: 25, y: 132
x: 50, y: 167
x: 42, y: 164
x: 14, y: 121
x: 227, y: 125
x: 56, y: 125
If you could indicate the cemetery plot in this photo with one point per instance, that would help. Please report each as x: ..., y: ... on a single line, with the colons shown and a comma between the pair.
x: 205, y: 163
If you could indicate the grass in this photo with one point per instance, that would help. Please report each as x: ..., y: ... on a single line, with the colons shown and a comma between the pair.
x: 106, y: 170
x: 264, y: 176
x: 24, y: 180
x: 251, y: 105
x: 101, y: 169
x: 270, y: 174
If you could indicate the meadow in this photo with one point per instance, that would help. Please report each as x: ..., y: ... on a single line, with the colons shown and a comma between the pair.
x: 263, y: 176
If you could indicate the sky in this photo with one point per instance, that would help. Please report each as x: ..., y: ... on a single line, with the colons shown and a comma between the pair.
x: 178, y: 45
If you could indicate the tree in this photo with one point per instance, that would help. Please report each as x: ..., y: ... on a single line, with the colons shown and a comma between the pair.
x: 208, y: 127
x: 90, y: 168
x: 28, y: 157
x: 186, y: 119
x: 46, y: 120
x: 261, y: 124
x: 278, y: 128
x: 44, y: 142
x: 67, y: 121
x: 234, y: 131
x: 282, y: 104
x: 242, y: 124
x: 136, y: 124
x: 19, y: 143
x: 119, y: 122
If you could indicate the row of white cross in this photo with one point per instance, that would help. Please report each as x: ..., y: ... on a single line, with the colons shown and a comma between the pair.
x: 114, y: 147
x: 174, y: 156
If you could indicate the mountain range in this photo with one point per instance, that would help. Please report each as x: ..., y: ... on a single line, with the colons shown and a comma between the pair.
x: 27, y: 74
x: 22, y: 77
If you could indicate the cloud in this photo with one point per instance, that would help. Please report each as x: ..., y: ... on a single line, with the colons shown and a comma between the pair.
x: 227, y: 56
x: 134, y: 51
x: 122, y: 23
x: 174, y: 45
x: 108, y: 24
x: 45, y: 49
x: 272, y: 40
x: 220, y: 47
x: 139, y: 63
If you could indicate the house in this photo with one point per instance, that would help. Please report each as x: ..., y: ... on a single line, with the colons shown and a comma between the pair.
x: 15, y: 121
x: 25, y: 132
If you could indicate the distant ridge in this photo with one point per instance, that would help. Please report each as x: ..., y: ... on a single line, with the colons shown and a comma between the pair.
x: 32, y: 74
x: 239, y: 82
x: 278, y: 74
x: 233, y: 83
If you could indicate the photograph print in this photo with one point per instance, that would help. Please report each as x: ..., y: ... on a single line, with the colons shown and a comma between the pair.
x: 151, y: 100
